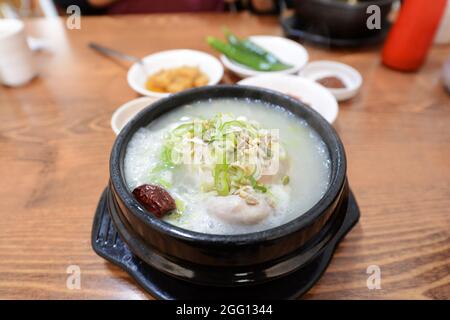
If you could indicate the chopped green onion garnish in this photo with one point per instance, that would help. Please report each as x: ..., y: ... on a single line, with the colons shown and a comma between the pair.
x: 257, y: 186
x: 221, y: 179
x: 182, y: 129
x: 180, y: 206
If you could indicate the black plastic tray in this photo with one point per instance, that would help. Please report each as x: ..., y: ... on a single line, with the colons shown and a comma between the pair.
x: 107, y: 243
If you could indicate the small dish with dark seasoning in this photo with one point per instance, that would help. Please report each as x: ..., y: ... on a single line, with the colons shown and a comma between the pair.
x: 340, y: 79
x: 332, y: 82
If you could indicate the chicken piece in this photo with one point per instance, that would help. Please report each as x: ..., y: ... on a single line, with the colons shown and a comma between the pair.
x: 235, y: 210
x: 283, y: 169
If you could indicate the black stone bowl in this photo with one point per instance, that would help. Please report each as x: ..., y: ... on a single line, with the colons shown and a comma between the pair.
x: 227, y: 260
x: 338, y: 19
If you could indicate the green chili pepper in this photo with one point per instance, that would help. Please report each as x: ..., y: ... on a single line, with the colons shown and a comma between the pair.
x: 240, y: 56
x: 232, y: 38
x: 251, y: 47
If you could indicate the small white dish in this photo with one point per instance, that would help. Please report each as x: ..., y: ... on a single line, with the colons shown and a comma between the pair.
x: 125, y: 112
x: 308, y: 91
x: 138, y: 74
x: 350, y: 76
x: 286, y: 50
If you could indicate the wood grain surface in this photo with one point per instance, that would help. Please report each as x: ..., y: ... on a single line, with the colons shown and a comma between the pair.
x: 55, y: 140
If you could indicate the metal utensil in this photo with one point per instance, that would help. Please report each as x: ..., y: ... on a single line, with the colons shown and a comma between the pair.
x: 116, y: 54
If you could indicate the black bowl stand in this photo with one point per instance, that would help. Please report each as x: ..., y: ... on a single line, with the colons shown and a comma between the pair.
x: 107, y: 243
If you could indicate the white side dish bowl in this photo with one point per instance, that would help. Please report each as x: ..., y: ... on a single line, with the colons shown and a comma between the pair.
x: 138, y: 74
x: 308, y: 91
x: 125, y: 112
x: 349, y: 75
x: 288, y: 51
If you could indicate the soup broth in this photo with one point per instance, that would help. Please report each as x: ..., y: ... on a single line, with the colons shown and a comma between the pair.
x: 227, y: 197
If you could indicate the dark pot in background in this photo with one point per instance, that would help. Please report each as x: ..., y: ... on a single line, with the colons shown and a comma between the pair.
x: 446, y: 74
x: 339, y: 19
x: 225, y: 260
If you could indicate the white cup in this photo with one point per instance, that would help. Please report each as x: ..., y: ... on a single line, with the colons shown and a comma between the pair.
x: 16, y: 58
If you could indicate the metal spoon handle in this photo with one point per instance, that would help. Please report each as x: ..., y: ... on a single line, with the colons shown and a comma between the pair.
x: 114, y: 53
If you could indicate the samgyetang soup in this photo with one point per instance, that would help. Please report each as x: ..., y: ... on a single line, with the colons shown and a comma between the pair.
x: 227, y: 166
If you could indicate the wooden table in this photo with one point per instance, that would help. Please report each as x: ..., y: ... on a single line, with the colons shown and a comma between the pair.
x: 55, y: 140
